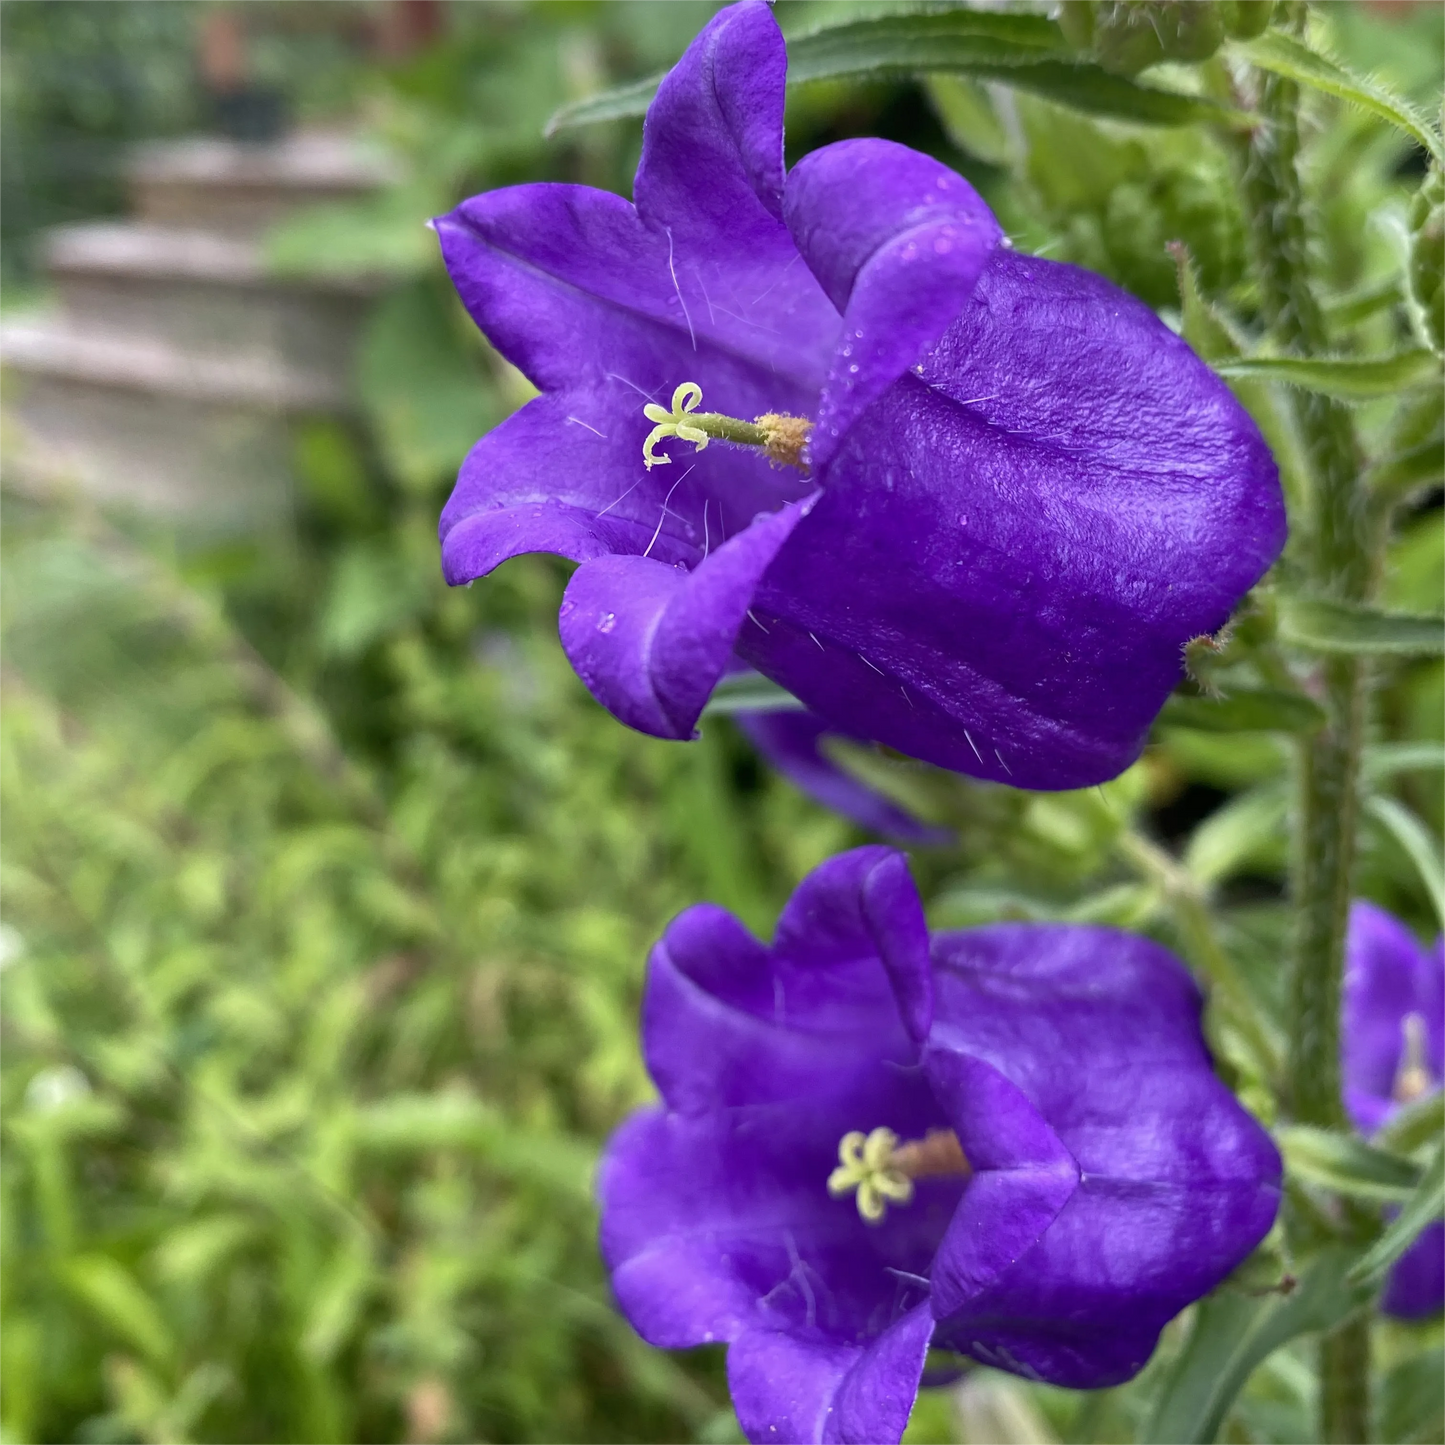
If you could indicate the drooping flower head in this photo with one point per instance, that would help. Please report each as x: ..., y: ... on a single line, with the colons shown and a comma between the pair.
x: 1007, y: 1141
x: 1392, y: 1047
x: 987, y: 498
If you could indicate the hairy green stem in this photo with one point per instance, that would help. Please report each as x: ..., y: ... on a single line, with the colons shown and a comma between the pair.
x: 1336, y: 558
x: 728, y: 428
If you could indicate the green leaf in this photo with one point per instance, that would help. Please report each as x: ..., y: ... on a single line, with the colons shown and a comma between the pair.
x: 1414, y: 837
x: 622, y: 102
x: 1284, y: 55
x: 1232, y: 1334
x: 1412, y: 1397
x: 1359, y: 305
x: 1255, y: 710
x: 1231, y: 835
x: 1346, y: 1164
x: 749, y: 692
x: 1027, y: 51
x: 1426, y: 1205
x: 1384, y: 760
x: 1345, y: 378
x: 114, y: 1294
x: 1324, y: 626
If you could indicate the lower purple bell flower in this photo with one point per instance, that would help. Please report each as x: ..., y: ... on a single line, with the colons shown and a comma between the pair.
x: 1392, y: 1048
x: 1007, y: 1142
x: 1010, y: 493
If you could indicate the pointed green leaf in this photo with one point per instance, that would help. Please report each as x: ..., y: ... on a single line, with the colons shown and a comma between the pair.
x: 1253, y: 710
x: 1345, y: 378
x: 1232, y: 1334
x: 1284, y: 55
x: 1414, y: 837
x: 1325, y: 626
x: 116, y: 1296
x: 749, y: 692
x: 1426, y: 1205
x: 1346, y: 1164
x: 1027, y: 51
x: 622, y: 102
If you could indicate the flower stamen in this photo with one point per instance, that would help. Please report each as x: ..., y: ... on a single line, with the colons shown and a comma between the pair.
x: 1412, y: 1078
x: 882, y: 1170
x: 782, y: 437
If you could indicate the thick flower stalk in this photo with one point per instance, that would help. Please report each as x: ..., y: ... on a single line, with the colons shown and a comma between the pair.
x: 963, y: 502
x: 1392, y: 1050
x: 1008, y: 1142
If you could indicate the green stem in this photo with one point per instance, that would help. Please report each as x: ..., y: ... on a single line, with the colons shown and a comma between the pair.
x: 1336, y: 557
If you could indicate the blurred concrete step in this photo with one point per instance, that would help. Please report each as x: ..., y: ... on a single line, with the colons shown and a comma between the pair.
x: 206, y: 183
x: 202, y: 293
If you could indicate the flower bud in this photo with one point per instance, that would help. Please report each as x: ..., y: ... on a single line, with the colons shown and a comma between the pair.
x: 1129, y: 35
x: 1427, y: 259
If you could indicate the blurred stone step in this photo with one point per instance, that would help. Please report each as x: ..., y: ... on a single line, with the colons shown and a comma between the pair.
x: 201, y: 293
x: 150, y: 427
x: 55, y: 347
x: 234, y: 189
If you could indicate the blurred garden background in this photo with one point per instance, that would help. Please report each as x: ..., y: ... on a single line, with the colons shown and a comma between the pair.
x: 327, y: 890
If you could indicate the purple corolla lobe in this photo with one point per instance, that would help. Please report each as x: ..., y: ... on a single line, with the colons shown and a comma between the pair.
x: 1392, y: 1050
x: 1106, y: 1179
x: 1026, y: 493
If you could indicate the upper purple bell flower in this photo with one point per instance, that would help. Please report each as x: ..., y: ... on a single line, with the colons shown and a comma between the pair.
x: 1047, y: 1168
x: 1392, y: 1048
x: 1025, y: 492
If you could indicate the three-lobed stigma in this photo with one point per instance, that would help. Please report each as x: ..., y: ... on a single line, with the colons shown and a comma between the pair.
x: 782, y: 437
x: 882, y: 1169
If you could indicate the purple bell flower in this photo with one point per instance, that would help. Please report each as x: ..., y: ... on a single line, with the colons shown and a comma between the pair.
x: 792, y: 742
x: 1015, y: 495
x: 1007, y: 1142
x: 1392, y: 1050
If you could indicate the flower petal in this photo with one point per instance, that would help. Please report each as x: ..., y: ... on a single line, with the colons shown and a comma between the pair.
x: 651, y: 640
x: 898, y: 241
x: 1098, y: 1032
x: 1010, y: 551
x: 571, y: 283
x: 1388, y: 976
x: 857, y: 908
x: 789, y: 741
x: 788, y: 1385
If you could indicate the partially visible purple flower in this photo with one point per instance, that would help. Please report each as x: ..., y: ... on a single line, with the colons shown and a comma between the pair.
x: 1392, y: 1050
x: 1026, y: 493
x: 791, y: 741
x: 1064, y: 1171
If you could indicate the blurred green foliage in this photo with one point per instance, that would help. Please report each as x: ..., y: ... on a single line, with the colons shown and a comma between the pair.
x: 328, y: 890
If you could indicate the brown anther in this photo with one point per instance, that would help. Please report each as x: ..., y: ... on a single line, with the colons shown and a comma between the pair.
x: 785, y: 438
x: 937, y: 1155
